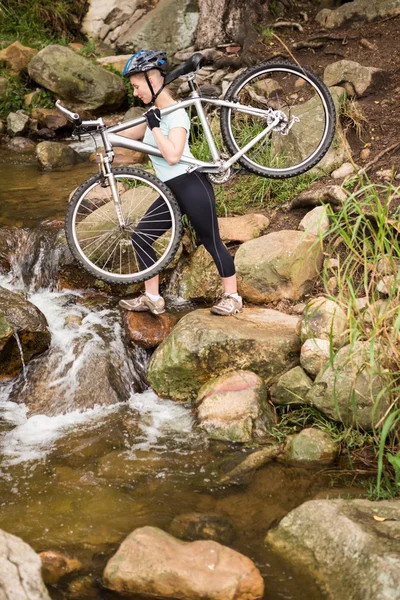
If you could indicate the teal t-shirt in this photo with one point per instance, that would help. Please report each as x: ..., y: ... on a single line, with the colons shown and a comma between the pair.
x: 163, y: 170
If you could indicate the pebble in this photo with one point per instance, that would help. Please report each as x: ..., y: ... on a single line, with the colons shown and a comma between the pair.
x: 385, y: 174
x: 346, y: 169
x: 365, y: 153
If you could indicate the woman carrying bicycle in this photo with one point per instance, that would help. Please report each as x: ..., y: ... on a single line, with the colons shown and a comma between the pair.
x: 194, y: 193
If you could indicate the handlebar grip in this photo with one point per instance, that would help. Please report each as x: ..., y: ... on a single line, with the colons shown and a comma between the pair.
x: 74, y: 117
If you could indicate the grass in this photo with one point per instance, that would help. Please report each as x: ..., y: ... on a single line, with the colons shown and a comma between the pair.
x: 12, y: 98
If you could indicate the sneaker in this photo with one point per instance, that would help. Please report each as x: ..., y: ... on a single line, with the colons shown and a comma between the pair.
x: 144, y: 303
x: 227, y: 305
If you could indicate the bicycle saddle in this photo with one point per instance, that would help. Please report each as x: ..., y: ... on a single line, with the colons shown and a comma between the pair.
x: 190, y: 66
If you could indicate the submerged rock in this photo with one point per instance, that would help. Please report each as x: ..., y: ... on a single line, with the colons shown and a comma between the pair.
x: 199, y: 526
x: 201, y: 569
x: 202, y: 346
x: 341, y: 544
x: 56, y: 565
x: 20, y: 570
x: 20, y: 321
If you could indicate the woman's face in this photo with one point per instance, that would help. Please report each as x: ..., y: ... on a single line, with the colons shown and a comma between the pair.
x: 140, y: 87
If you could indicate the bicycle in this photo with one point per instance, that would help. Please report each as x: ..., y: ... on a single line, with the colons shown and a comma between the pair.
x: 277, y: 120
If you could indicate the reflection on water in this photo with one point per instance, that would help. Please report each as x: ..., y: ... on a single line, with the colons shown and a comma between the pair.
x: 29, y: 195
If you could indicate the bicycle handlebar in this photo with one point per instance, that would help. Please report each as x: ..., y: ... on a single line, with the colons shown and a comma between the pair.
x: 74, y: 117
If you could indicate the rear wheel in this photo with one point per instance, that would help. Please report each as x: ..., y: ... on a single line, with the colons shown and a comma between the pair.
x: 307, y: 124
x: 139, y: 250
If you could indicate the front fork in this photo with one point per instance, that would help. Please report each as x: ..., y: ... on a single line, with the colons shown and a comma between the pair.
x: 106, y: 172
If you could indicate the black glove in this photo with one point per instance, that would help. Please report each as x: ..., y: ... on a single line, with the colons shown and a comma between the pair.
x: 153, y: 117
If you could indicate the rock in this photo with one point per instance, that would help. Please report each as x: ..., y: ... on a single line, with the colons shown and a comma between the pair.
x: 365, y: 153
x: 341, y: 546
x: 387, y: 174
x: 126, y: 468
x: 324, y: 319
x: 358, y: 10
x: 2, y: 126
x: 16, y: 57
x: 170, y: 25
x: 208, y: 89
x: 346, y: 169
x: 347, y: 390
x: 102, y: 18
x: 198, y: 526
x: 50, y: 118
x: 242, y: 229
x: 147, y: 330
x: 133, y: 113
x: 314, y: 355
x: 201, y: 569
x: 291, y: 387
x: 234, y: 408
x: 315, y: 196
x: 55, y: 565
x: 76, y: 80
x: 17, y: 123
x: 202, y: 346
x: 116, y: 62
x: 53, y: 155
x: 20, y: 570
x: 282, y: 264
x: 311, y: 447
x: 32, y: 97
x: 18, y: 317
x: 198, y: 279
x: 239, y: 474
x: 83, y: 587
x: 315, y: 222
x: 21, y: 144
x: 364, y: 80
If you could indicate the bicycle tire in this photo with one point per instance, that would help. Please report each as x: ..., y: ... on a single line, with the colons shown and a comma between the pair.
x: 264, y: 68
x: 70, y: 229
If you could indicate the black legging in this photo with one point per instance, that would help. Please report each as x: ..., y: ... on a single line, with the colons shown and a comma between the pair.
x: 196, y: 199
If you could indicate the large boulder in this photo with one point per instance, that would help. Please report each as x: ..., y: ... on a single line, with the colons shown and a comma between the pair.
x: 358, y: 10
x: 234, y: 407
x: 282, y: 264
x: 349, y: 390
x: 203, y: 346
x: 103, y: 17
x: 76, y: 80
x: 20, y: 570
x: 23, y: 332
x: 16, y: 57
x: 170, y: 25
x: 198, y: 279
x: 355, y: 78
x: 54, y: 155
x: 242, y: 228
x: 343, y: 547
x: 152, y: 563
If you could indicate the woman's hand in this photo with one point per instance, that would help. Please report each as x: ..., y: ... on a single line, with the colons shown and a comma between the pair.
x: 153, y: 117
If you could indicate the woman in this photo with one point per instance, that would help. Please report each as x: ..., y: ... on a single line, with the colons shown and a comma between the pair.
x: 194, y: 193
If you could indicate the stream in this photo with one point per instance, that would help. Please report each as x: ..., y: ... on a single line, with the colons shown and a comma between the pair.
x: 79, y: 482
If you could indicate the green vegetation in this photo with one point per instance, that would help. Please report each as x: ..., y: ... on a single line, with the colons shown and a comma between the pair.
x: 40, y: 22
x: 12, y: 98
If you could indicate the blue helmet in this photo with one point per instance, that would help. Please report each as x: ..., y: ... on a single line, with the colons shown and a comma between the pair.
x: 144, y: 61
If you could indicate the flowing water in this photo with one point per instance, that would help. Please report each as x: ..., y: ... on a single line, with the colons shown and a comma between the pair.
x: 80, y: 481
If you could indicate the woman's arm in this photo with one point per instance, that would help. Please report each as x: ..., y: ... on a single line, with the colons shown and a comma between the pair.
x: 134, y: 133
x: 171, y: 147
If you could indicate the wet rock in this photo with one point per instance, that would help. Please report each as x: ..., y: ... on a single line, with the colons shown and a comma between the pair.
x: 50, y: 118
x: 243, y: 228
x: 343, y: 171
x: 324, y: 319
x: 282, y: 264
x: 314, y: 355
x: 291, y: 387
x: 200, y: 569
x: 53, y: 155
x: 20, y: 570
x: 358, y: 10
x: 198, y: 279
x: 234, y: 408
x: 18, y: 317
x: 17, y: 123
x: 342, y: 546
x: 239, y: 474
x: 125, y: 467
x: 316, y: 221
x: 147, y: 330
x: 16, y: 57
x: 199, y: 526
x: 83, y: 588
x: 202, y: 346
x: 76, y: 80
x: 310, y: 447
x: 55, y: 565
x: 21, y: 144
x: 332, y: 194
x: 364, y: 80
x: 347, y: 390
x: 170, y: 25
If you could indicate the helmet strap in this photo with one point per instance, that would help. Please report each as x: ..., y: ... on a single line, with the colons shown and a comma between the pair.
x: 154, y: 96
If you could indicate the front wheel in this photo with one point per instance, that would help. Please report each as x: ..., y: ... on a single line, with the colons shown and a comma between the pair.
x: 307, y: 125
x: 141, y: 248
